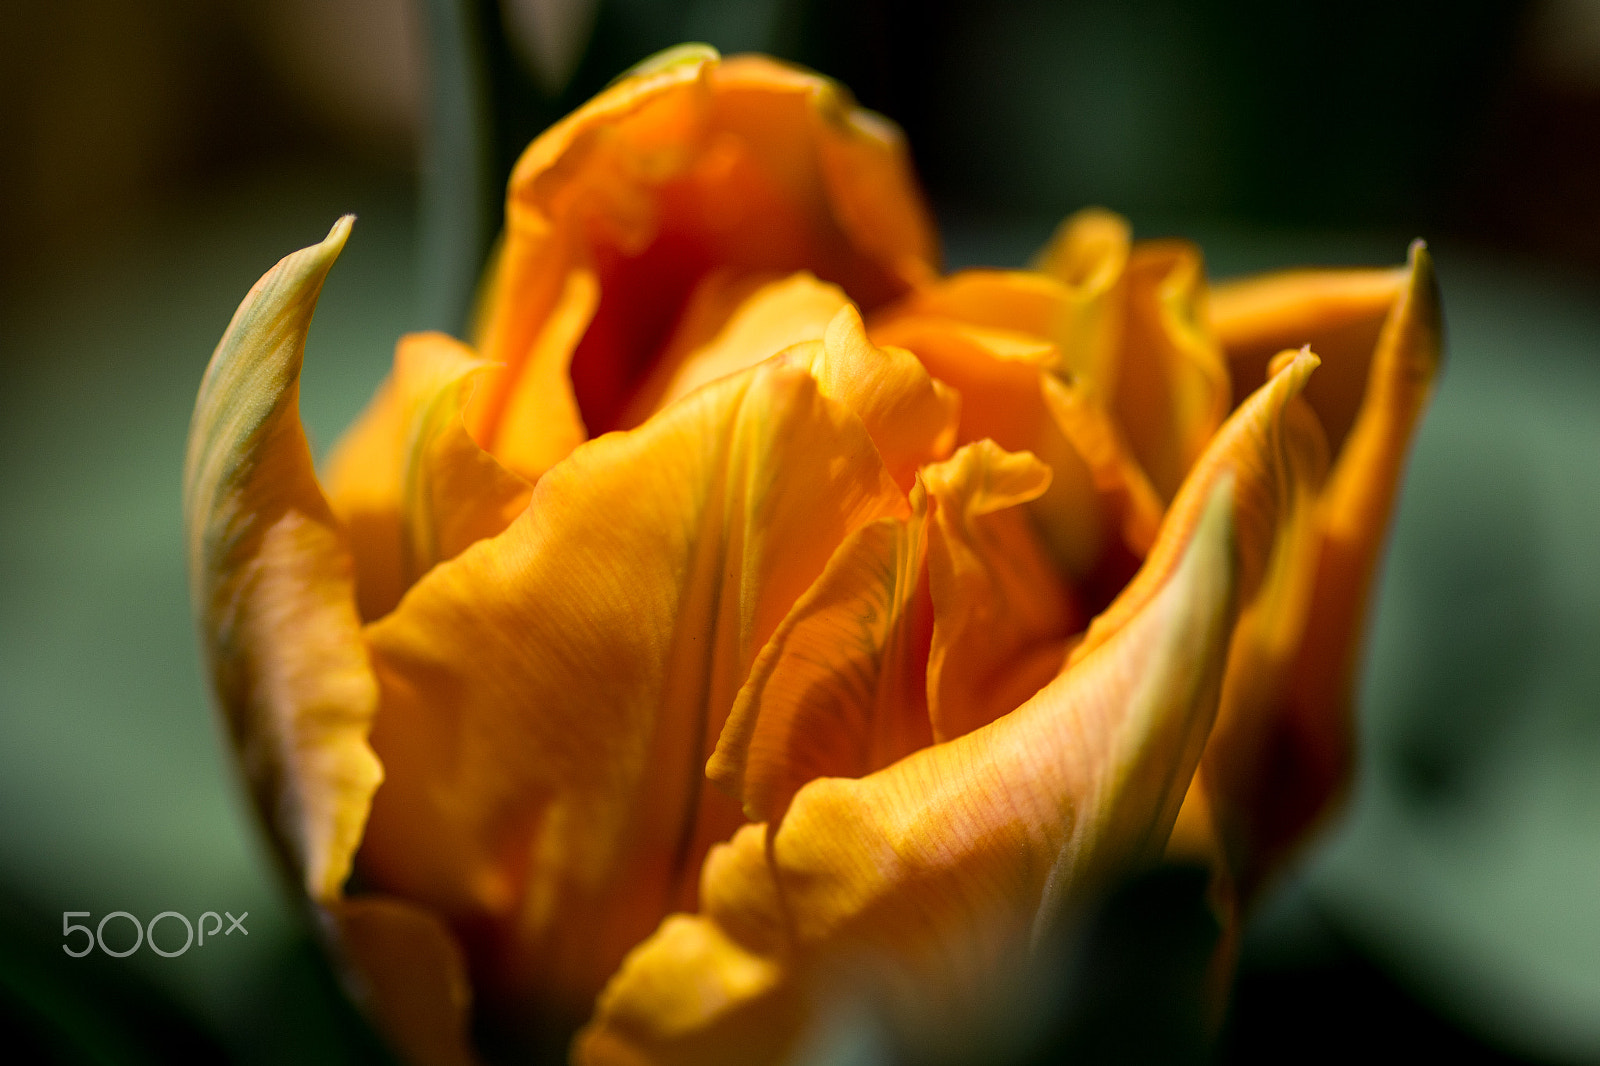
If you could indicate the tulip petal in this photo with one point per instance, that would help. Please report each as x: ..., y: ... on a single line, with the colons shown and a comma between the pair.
x: 1089, y: 254
x: 911, y: 416
x: 1170, y: 390
x: 840, y: 689
x: 734, y: 321
x: 1099, y: 513
x: 455, y: 493
x: 408, y: 482
x: 1284, y: 744
x: 363, y: 481
x: 919, y: 629
x: 1339, y: 313
x: 406, y: 971
x: 934, y: 873
x: 616, y: 213
x: 271, y: 583
x: 550, y: 696
x: 1001, y: 613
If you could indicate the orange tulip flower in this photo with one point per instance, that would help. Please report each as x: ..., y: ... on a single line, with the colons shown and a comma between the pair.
x: 752, y: 605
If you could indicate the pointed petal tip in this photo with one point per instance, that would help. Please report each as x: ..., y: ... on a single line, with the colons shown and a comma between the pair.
x: 1420, y: 315
x: 692, y: 53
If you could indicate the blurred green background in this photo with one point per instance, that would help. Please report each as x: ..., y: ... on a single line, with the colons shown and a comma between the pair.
x: 159, y: 155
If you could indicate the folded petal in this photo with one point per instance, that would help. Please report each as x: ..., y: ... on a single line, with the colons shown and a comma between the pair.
x: 1170, y: 387
x: 920, y: 628
x: 734, y: 320
x: 1284, y: 743
x: 551, y: 695
x: 840, y: 689
x: 455, y: 493
x: 979, y: 333
x: 1088, y: 254
x: 614, y: 215
x: 1339, y: 313
x: 911, y: 416
x: 1001, y: 613
x: 408, y: 482
x: 271, y: 582
x: 933, y: 875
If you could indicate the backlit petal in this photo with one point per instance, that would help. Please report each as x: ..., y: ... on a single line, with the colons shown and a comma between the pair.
x: 933, y: 874
x: 363, y: 482
x: 1001, y: 612
x: 616, y: 213
x: 1284, y: 744
x: 1170, y: 387
x: 408, y: 482
x: 1099, y: 514
x: 847, y: 685
x: 1339, y: 313
x: 1088, y: 253
x: 735, y: 320
x: 271, y: 582
x: 911, y: 416
x: 840, y: 690
x: 550, y: 696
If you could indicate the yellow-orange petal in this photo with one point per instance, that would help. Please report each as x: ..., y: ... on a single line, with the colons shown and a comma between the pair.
x: 1099, y: 512
x: 840, y: 689
x: 687, y: 165
x: 911, y: 416
x: 920, y: 628
x: 1088, y: 253
x: 363, y: 482
x: 734, y: 320
x: 407, y: 973
x: 409, y: 484
x: 271, y: 585
x: 1339, y: 313
x: 453, y: 492
x: 1286, y: 750
x: 930, y: 874
x: 550, y: 696
x: 1001, y: 613
x: 930, y: 879
x: 1171, y: 388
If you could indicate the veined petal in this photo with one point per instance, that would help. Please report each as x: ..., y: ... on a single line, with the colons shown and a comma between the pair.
x: 1284, y: 744
x: 409, y: 482
x: 840, y: 689
x: 1099, y: 514
x: 733, y: 321
x: 615, y: 214
x: 550, y: 696
x: 932, y: 874
x: 1339, y: 313
x: 455, y: 494
x: 1001, y: 614
x: 1170, y: 390
x: 847, y: 685
x: 928, y: 872
x: 271, y: 584
x: 911, y: 416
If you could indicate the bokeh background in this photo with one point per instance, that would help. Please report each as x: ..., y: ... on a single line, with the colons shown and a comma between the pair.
x: 156, y: 156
